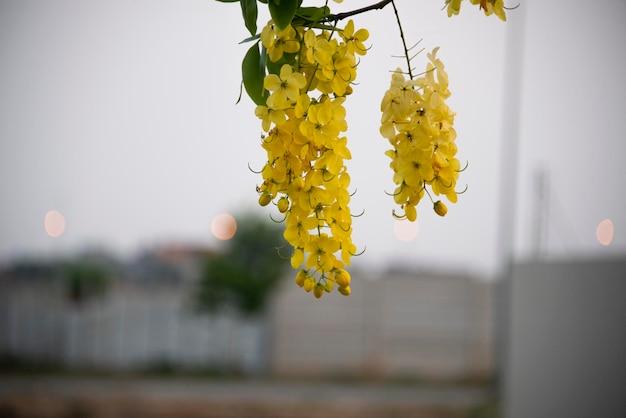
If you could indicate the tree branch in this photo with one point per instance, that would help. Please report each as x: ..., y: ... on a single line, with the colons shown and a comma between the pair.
x: 341, y: 16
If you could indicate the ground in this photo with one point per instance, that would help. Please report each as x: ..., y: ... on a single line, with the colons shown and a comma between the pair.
x: 178, y: 397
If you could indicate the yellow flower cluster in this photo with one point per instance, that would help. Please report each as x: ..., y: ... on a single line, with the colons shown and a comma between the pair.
x: 488, y: 6
x: 418, y: 123
x: 305, y: 174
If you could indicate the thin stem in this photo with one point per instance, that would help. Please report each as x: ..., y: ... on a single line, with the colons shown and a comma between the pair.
x: 429, y: 196
x: 377, y: 6
x: 406, y: 51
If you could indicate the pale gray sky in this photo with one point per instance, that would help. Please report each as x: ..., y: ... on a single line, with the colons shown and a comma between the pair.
x: 121, y: 115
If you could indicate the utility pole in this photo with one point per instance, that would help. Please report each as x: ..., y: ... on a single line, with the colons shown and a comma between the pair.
x: 511, y: 109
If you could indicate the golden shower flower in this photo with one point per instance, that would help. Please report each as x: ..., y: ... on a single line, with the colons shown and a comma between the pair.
x: 318, y: 49
x: 285, y: 87
x: 321, y: 249
x: 278, y: 42
x: 354, y: 40
x: 269, y: 116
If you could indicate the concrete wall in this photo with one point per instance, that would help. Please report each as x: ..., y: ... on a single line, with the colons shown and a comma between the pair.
x: 566, y: 346
x: 393, y: 325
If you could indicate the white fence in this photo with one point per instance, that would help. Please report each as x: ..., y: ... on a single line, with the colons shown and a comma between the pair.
x: 132, y: 326
x: 399, y: 325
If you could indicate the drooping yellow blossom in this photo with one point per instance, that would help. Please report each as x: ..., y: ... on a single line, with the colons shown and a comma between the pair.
x: 324, y: 122
x: 418, y: 124
x: 285, y: 87
x: 305, y: 174
x: 318, y: 49
x: 269, y: 116
x: 354, y: 40
x: 278, y: 42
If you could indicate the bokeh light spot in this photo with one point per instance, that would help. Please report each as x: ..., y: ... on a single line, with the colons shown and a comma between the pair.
x: 224, y: 226
x: 54, y: 223
x: 604, y: 232
x: 405, y: 230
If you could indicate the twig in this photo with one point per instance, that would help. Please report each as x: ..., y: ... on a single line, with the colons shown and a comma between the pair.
x: 406, y: 51
x: 340, y: 16
x: 376, y: 6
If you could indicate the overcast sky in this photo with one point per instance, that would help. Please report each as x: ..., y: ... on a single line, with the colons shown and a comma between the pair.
x: 121, y: 115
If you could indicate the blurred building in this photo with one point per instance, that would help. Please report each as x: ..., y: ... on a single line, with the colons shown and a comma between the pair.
x: 398, y: 324
x: 564, y: 338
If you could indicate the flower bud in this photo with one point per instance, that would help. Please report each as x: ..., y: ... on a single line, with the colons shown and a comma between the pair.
x: 318, y: 291
x: 342, y: 277
x: 265, y: 199
x: 283, y: 204
x: 301, y: 277
x: 410, y: 212
x: 309, y: 283
x: 440, y: 208
x: 344, y: 290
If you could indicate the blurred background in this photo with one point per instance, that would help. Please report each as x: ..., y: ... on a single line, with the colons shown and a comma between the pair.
x: 127, y: 194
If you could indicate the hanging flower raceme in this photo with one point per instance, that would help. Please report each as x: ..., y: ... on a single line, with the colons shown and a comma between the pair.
x: 299, y: 71
x: 419, y: 125
x: 305, y: 173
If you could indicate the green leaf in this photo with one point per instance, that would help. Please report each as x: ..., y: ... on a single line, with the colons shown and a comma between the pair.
x: 283, y: 11
x: 253, y: 73
x: 250, y: 38
x: 250, y: 13
x: 312, y: 14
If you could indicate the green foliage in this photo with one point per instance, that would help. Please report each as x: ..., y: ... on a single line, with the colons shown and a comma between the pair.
x: 248, y: 271
x: 250, y: 13
x: 85, y: 281
x: 310, y: 16
x: 253, y: 71
x: 283, y: 13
